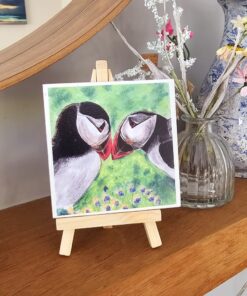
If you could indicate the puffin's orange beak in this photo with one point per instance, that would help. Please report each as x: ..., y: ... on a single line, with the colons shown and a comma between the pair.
x: 120, y: 149
x: 105, y: 152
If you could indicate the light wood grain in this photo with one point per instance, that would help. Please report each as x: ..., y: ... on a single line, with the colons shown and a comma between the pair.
x: 202, y: 249
x: 101, y: 73
x: 66, y: 242
x: 108, y: 219
x: 65, y: 32
x: 153, y: 234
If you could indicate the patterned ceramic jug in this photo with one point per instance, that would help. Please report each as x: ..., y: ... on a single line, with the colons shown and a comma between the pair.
x: 233, y: 112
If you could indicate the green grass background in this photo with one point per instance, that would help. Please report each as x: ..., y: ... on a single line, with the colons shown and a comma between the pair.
x: 130, y: 182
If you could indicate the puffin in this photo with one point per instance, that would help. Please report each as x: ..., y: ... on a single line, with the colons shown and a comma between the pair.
x: 82, y: 140
x: 149, y: 132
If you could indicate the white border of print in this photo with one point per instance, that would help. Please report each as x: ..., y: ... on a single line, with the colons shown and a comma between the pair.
x: 170, y: 82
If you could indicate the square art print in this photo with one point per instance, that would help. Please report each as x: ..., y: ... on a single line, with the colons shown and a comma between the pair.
x: 112, y: 147
x: 12, y: 12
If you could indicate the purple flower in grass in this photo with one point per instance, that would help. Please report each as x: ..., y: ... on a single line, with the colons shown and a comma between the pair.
x: 132, y: 189
x: 62, y: 212
x: 97, y: 203
x: 116, y: 203
x: 120, y: 193
x: 108, y: 208
x: 107, y: 198
x: 125, y: 208
x: 143, y: 190
x: 137, y: 200
x: 158, y: 201
x: 151, y: 199
x: 105, y: 188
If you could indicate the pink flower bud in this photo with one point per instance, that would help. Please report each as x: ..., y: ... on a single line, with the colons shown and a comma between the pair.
x: 169, y: 28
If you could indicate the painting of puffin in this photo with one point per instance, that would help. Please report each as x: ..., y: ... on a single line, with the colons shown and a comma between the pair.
x: 149, y: 132
x: 82, y: 139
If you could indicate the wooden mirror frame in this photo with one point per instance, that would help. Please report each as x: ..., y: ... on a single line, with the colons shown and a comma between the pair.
x: 66, y: 31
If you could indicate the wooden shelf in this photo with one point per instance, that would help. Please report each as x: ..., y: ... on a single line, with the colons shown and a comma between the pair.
x: 201, y: 249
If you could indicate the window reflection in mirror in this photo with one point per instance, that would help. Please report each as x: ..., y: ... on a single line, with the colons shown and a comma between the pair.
x: 38, y: 12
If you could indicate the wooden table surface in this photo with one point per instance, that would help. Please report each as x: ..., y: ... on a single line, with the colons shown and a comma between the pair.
x: 201, y: 249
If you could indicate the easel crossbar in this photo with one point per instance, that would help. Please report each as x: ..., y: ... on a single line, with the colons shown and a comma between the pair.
x: 108, y: 220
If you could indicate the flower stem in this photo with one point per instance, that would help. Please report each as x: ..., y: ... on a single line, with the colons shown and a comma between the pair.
x: 182, y: 95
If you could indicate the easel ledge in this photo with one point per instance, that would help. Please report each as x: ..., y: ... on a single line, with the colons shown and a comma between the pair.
x: 70, y: 224
x: 147, y: 217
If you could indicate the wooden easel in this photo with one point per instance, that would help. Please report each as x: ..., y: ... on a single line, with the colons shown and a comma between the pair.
x: 70, y: 224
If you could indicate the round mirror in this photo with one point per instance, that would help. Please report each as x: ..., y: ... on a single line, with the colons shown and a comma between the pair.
x: 56, y: 38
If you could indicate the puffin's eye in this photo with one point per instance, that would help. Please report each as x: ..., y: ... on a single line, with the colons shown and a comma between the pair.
x: 132, y: 123
x: 101, y: 127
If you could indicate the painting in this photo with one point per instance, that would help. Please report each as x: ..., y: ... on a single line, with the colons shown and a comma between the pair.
x: 12, y: 12
x: 112, y: 147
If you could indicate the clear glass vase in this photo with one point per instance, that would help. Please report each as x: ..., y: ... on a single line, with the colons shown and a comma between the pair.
x: 206, y: 166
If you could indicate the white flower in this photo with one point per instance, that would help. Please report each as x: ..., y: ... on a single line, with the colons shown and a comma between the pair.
x: 187, y: 34
x: 189, y: 63
x: 240, y: 23
x: 179, y: 11
x: 136, y: 72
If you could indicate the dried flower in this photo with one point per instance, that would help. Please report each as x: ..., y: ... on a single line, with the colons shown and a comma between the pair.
x: 187, y: 34
x: 169, y: 28
x: 224, y: 52
x: 189, y: 63
x: 171, y: 42
x: 240, y: 23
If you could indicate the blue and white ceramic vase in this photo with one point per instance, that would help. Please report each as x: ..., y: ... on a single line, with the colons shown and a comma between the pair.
x: 232, y: 124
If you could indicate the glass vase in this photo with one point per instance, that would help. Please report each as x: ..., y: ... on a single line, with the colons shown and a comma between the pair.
x: 206, y: 166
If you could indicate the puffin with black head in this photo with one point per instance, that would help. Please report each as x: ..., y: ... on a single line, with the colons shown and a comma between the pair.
x: 81, y: 141
x: 149, y: 132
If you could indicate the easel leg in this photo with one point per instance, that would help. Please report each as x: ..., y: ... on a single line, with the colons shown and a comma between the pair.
x: 66, y: 242
x: 153, y: 234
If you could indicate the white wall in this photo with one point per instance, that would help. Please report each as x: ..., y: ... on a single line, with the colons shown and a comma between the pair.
x: 38, y: 12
